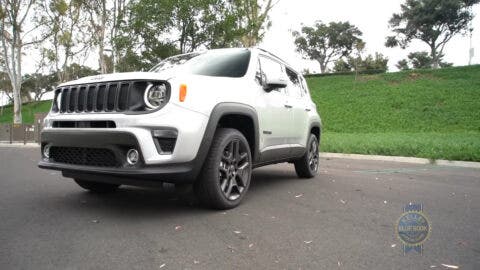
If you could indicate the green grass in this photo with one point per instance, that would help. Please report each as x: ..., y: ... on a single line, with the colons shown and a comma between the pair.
x: 424, y: 113
x: 28, y: 111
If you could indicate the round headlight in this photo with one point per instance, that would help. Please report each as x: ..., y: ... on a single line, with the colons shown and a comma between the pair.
x: 155, y: 95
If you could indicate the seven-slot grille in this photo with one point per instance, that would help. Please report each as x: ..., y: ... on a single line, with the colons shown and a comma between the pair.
x: 98, y: 97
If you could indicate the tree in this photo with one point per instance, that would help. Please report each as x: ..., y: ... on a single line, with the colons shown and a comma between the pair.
x: 98, y: 13
x: 342, y: 66
x: 153, y: 30
x: 38, y: 84
x: 378, y: 62
x: 13, y: 14
x: 420, y: 60
x: 62, y: 28
x: 327, y: 43
x: 434, y: 22
x: 254, y: 19
x: 403, y: 65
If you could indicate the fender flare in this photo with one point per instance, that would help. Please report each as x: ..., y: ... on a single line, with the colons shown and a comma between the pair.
x: 217, y: 113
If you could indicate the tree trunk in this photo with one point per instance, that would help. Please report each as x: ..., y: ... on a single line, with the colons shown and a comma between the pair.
x: 17, y: 103
x: 323, y: 66
x: 435, y: 58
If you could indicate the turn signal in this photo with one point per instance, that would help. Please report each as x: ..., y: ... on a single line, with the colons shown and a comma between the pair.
x: 183, y: 92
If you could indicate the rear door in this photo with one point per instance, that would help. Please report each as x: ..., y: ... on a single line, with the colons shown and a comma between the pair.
x: 275, y: 115
x: 297, y: 97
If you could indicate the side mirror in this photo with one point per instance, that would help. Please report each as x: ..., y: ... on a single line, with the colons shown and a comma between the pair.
x: 273, y: 82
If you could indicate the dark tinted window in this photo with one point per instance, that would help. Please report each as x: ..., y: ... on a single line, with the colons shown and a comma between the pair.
x: 217, y: 63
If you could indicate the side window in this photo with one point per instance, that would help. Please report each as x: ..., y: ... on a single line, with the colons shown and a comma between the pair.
x: 269, y: 67
x: 295, y: 85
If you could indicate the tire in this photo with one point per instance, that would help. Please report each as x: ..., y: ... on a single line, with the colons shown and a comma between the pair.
x: 226, y: 173
x: 307, y: 165
x: 97, y: 187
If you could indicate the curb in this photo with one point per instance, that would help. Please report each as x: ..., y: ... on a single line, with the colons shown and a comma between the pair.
x: 411, y: 160
x: 19, y: 145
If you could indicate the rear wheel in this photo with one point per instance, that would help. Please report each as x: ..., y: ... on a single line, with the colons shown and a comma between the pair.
x: 226, y: 173
x: 307, y: 165
x: 97, y: 187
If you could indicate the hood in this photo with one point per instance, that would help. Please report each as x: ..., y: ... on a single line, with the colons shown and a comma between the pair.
x: 166, y: 75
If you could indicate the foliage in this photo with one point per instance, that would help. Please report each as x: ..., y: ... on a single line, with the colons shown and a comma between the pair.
x: 419, y: 60
x: 376, y: 62
x: 403, y: 65
x: 327, y: 43
x: 63, y: 35
x: 434, y: 22
x: 254, y: 20
x: 154, y: 30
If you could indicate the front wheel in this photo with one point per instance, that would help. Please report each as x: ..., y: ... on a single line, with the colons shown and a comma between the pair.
x: 97, y: 187
x: 307, y: 165
x: 227, y: 170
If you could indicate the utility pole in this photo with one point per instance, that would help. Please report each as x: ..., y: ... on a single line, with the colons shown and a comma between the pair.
x: 472, y: 50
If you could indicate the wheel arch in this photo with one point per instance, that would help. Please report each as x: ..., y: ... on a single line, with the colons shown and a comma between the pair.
x: 232, y: 115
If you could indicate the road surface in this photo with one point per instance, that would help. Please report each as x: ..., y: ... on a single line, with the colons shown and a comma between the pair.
x: 342, y: 219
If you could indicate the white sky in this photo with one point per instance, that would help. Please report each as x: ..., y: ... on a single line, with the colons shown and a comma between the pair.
x: 370, y: 16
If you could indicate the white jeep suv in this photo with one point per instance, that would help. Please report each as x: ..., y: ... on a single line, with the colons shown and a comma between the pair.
x: 205, y: 119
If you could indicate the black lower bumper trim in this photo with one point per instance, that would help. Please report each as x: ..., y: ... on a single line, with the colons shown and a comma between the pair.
x: 118, y: 143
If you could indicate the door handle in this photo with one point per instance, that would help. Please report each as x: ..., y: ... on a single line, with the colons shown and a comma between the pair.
x: 288, y: 106
x: 307, y: 109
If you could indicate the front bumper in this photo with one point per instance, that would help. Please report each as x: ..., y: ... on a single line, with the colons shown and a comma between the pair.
x: 118, y: 143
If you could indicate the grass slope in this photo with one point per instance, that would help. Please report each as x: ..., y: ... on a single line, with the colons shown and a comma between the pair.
x: 28, y: 110
x: 424, y: 113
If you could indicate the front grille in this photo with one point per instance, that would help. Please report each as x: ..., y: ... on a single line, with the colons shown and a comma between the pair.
x: 97, y: 157
x: 117, y: 96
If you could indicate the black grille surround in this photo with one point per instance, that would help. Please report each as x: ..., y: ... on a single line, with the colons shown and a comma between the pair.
x: 105, y: 97
x: 96, y: 157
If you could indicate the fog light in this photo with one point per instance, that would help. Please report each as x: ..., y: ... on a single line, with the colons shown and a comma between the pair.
x: 132, y: 156
x: 46, y: 151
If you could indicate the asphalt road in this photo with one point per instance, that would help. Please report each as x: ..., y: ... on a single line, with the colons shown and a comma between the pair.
x: 342, y: 219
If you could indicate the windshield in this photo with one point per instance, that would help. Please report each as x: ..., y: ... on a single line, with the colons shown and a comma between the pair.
x: 216, y: 63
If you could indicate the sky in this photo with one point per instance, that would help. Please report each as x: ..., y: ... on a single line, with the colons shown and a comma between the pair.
x: 370, y: 16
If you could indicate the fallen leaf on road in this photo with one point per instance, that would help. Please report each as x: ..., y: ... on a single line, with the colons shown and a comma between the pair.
x: 342, y: 201
x: 450, y: 266
x: 385, y: 202
x: 307, y: 242
x: 433, y: 266
x: 196, y: 262
x: 237, y: 232
x: 250, y: 246
x: 339, y: 263
x: 177, y: 228
x: 393, y: 245
x: 232, y: 249
x: 161, y: 266
x: 298, y: 196
x: 95, y: 221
